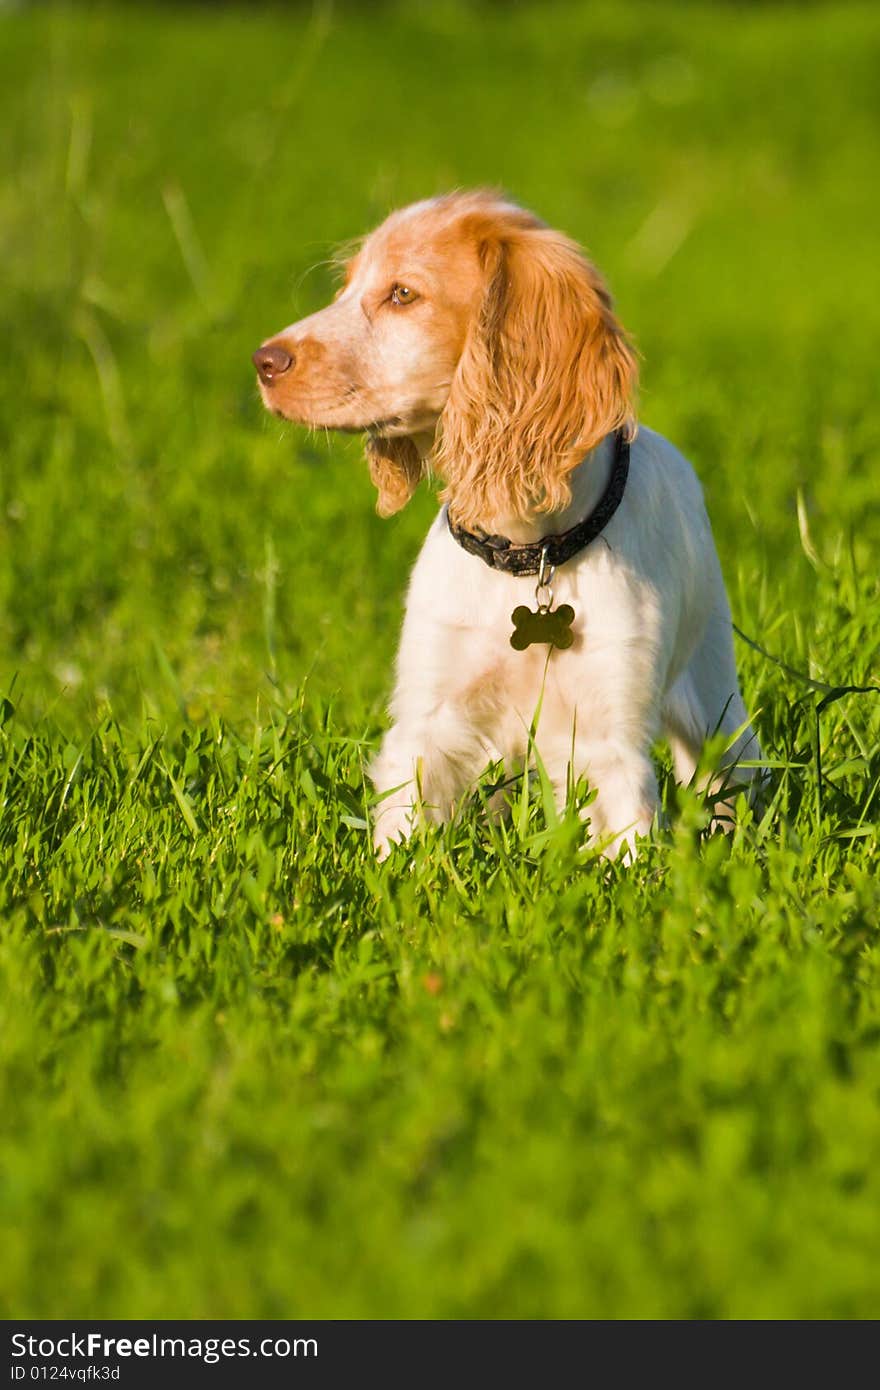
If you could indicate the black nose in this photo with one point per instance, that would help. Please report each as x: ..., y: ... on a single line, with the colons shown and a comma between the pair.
x: 271, y: 361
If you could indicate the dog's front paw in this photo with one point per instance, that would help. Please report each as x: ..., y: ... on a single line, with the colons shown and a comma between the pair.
x: 393, y: 826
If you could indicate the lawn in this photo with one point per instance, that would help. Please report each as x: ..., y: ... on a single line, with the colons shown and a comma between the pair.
x: 245, y: 1071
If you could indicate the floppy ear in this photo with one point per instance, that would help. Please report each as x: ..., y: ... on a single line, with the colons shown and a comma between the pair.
x: 395, y: 468
x: 546, y: 373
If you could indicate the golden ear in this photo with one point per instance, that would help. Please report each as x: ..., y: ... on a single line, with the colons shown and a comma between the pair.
x: 607, y: 370
x: 546, y: 373
x: 395, y: 468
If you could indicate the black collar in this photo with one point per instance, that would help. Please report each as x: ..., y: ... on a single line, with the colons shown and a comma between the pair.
x: 499, y: 553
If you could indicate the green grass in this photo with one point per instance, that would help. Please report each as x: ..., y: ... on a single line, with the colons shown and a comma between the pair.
x: 246, y: 1071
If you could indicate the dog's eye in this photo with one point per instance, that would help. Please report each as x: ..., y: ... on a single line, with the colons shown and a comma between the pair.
x: 401, y: 294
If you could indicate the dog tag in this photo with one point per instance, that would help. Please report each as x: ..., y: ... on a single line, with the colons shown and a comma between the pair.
x: 550, y: 626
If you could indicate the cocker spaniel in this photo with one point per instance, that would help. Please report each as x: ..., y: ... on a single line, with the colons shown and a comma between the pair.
x: 571, y: 568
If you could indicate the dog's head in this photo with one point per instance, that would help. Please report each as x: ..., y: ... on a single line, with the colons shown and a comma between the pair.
x: 470, y: 335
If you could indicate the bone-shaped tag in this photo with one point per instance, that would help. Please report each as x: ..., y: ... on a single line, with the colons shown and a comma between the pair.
x: 550, y: 626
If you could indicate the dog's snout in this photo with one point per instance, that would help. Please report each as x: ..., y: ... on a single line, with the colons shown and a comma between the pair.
x: 271, y: 361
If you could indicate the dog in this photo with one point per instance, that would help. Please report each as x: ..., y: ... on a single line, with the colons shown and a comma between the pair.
x: 571, y: 568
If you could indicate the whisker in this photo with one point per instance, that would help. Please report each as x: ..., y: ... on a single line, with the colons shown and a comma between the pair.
x: 309, y: 269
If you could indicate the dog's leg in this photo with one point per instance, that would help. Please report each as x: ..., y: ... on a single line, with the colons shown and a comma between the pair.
x: 626, y: 794
x: 624, y: 779
x: 424, y: 767
x: 705, y: 700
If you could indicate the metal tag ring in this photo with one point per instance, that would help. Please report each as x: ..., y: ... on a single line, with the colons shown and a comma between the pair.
x: 545, y: 584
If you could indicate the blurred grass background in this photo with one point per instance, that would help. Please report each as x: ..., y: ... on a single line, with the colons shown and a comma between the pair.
x: 252, y: 1076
